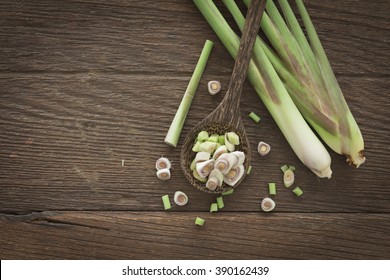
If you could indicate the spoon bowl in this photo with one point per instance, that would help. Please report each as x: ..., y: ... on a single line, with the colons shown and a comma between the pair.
x: 227, y: 116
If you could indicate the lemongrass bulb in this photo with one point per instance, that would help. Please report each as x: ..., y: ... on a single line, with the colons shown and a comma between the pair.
x: 288, y: 178
x: 221, y: 150
x: 164, y: 174
x: 234, y: 175
x: 267, y: 204
x: 202, y: 156
x: 224, y: 163
x: 263, y: 148
x: 240, y: 158
x: 214, y: 87
x: 233, y: 138
x: 180, y: 198
x: 204, y: 168
x: 163, y: 163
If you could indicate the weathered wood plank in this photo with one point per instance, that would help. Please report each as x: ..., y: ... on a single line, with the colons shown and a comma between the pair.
x: 140, y: 36
x: 63, y: 138
x: 134, y: 235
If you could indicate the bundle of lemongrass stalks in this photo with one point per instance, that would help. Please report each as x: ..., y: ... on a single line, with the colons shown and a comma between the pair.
x: 295, y: 81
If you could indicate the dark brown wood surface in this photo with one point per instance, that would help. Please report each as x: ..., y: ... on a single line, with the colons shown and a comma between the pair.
x: 85, y: 84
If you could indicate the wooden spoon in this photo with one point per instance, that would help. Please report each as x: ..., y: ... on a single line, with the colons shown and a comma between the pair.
x: 227, y: 116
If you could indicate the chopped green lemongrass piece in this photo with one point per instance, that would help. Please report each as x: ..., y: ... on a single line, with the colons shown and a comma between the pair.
x: 254, y: 117
x: 221, y: 139
x: 199, y: 221
x: 292, y: 167
x: 214, y: 207
x: 272, y: 188
x: 207, y: 147
x: 272, y: 91
x: 202, y: 136
x: 298, y: 191
x: 166, y: 202
x: 213, y: 138
x: 288, y: 178
x: 249, y: 170
x: 174, y: 131
x: 233, y: 138
x: 196, y: 147
x: 220, y: 202
x: 228, y: 192
x: 284, y: 168
x: 214, y: 87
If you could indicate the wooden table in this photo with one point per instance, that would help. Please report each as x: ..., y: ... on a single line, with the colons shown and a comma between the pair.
x: 86, y: 84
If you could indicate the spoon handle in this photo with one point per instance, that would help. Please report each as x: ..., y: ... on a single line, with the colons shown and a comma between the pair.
x: 251, y: 28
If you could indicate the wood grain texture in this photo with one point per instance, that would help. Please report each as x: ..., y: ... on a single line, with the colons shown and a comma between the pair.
x: 85, y: 84
x: 134, y: 235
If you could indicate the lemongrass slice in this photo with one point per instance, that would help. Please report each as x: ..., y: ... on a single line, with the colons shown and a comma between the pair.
x: 224, y: 163
x: 263, y: 148
x: 213, y: 138
x: 215, y: 173
x: 254, y: 117
x: 161, y: 163
x: 221, y: 139
x: 214, y: 87
x: 180, y: 198
x: 229, y: 145
x: 272, y: 188
x: 212, y: 183
x: 234, y: 175
x: 288, y: 178
x: 233, y: 138
x: 197, y: 176
x: 228, y: 192
x: 166, y: 202
x: 214, y: 207
x: 267, y: 204
x: 207, y: 146
x: 204, y: 168
x: 240, y: 158
x: 203, y: 135
x: 196, y: 147
x: 220, y: 202
x: 199, y: 221
x: 193, y: 165
x: 298, y: 191
x: 249, y: 170
x: 202, y: 156
x: 163, y: 174
x: 221, y: 150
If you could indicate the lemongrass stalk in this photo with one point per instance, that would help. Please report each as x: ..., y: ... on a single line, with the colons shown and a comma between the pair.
x: 353, y: 144
x: 274, y: 95
x: 312, y: 85
x: 174, y: 131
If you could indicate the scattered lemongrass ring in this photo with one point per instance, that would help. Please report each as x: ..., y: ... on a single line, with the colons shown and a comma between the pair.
x: 288, y: 178
x: 214, y: 87
x: 267, y: 204
x: 263, y: 148
x: 164, y: 174
x: 162, y: 163
x: 166, y: 202
x: 254, y: 117
x: 298, y: 191
x: 180, y: 198
x: 199, y: 221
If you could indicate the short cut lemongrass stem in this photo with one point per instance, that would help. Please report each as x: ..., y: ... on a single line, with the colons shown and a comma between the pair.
x: 254, y: 117
x: 174, y: 131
